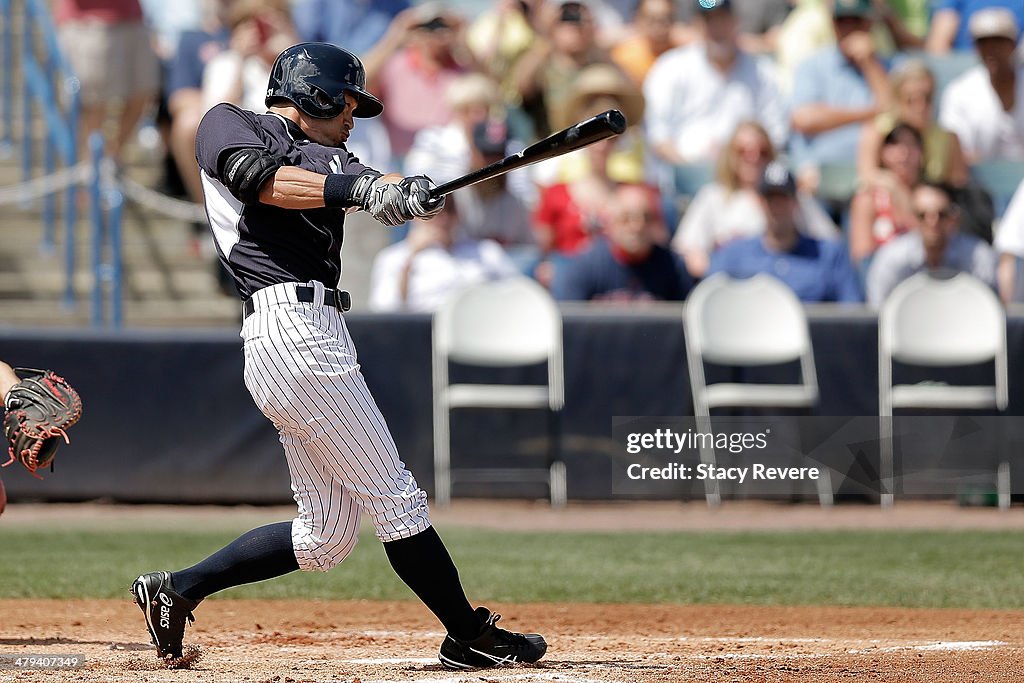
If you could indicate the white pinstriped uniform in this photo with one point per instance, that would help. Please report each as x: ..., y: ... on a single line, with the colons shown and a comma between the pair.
x: 302, y: 371
x: 300, y: 363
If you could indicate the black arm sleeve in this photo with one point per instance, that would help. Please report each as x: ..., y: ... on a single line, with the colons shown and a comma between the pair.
x: 243, y: 172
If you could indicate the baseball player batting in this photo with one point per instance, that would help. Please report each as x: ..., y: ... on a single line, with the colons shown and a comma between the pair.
x: 277, y: 188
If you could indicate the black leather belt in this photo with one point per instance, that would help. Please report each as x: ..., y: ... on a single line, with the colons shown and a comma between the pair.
x: 335, y: 298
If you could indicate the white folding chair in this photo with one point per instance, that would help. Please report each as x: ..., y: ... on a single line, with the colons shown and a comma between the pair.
x: 934, y: 322
x: 748, y: 322
x: 500, y: 324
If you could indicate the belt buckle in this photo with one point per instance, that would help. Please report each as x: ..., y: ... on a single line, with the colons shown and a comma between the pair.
x: 342, y: 300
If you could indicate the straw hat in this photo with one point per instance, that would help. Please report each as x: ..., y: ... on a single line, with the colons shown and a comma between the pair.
x: 596, y: 80
x: 470, y: 89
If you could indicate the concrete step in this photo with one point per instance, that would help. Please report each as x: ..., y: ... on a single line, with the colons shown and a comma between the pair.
x: 222, y: 313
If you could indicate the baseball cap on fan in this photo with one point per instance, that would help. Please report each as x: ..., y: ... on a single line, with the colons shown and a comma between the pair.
x: 776, y: 179
x: 851, y: 8
x: 431, y: 16
x: 490, y: 137
x: 712, y: 5
x: 571, y: 11
x: 994, y: 22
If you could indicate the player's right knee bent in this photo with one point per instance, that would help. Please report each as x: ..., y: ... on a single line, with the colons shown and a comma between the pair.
x: 316, y: 552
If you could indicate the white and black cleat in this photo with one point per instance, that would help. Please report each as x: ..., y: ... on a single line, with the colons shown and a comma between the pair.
x: 166, y: 611
x: 493, y: 647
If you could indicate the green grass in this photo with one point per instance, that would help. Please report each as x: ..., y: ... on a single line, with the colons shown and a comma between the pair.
x: 908, y: 568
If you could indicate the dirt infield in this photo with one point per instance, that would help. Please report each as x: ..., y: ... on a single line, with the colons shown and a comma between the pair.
x: 381, y: 642
x: 378, y: 642
x: 539, y: 516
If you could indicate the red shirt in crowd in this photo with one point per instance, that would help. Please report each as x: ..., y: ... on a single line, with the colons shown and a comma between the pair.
x: 558, y: 211
x: 103, y: 11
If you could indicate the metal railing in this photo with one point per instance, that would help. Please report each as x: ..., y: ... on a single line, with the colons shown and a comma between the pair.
x: 49, y: 94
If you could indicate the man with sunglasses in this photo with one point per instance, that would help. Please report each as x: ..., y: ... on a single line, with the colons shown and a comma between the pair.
x: 278, y: 186
x: 937, y: 245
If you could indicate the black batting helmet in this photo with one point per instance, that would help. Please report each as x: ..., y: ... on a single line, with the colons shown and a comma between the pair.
x: 315, y: 77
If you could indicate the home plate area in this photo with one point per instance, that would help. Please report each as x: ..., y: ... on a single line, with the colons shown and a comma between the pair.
x: 287, y: 641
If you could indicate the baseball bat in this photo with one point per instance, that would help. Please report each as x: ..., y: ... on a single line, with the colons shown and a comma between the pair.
x: 576, y: 136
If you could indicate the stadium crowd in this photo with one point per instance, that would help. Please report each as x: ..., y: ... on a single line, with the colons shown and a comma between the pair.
x: 831, y: 143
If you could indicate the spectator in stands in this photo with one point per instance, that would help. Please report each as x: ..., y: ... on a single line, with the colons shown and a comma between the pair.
x: 598, y: 88
x: 936, y: 245
x: 260, y: 30
x: 759, y: 21
x: 109, y: 46
x: 816, y: 270
x: 836, y: 90
x: 697, y: 95
x: 423, y: 51
x: 984, y: 105
x: 1009, y: 244
x: 442, y: 152
x: 570, y: 214
x: 731, y: 208
x: 913, y: 92
x: 951, y: 20
x: 499, y: 37
x: 489, y: 210
x: 356, y: 26
x: 651, y: 38
x: 566, y: 42
x: 806, y: 30
x: 185, y: 89
x: 882, y: 207
x: 167, y: 23
x: 433, y: 262
x: 906, y: 21
x: 626, y: 264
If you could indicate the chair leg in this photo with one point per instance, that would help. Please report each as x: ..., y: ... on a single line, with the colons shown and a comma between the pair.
x: 557, y: 476
x: 886, y: 475
x: 1003, y: 485
x: 442, y: 457
x: 712, y: 490
x: 557, y: 482
x: 826, y: 495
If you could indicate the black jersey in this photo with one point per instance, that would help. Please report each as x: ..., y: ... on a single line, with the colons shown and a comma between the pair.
x: 263, y: 245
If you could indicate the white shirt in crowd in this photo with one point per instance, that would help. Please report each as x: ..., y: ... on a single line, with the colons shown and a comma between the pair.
x: 1009, y: 239
x: 437, y: 273
x: 223, y: 72
x: 442, y: 153
x: 971, y: 108
x: 717, y: 216
x: 692, y: 105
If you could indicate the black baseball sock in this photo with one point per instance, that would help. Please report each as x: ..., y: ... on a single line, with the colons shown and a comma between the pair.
x: 423, y: 563
x: 256, y: 555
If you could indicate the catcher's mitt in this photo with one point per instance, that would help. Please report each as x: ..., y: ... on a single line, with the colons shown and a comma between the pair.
x: 40, y: 408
